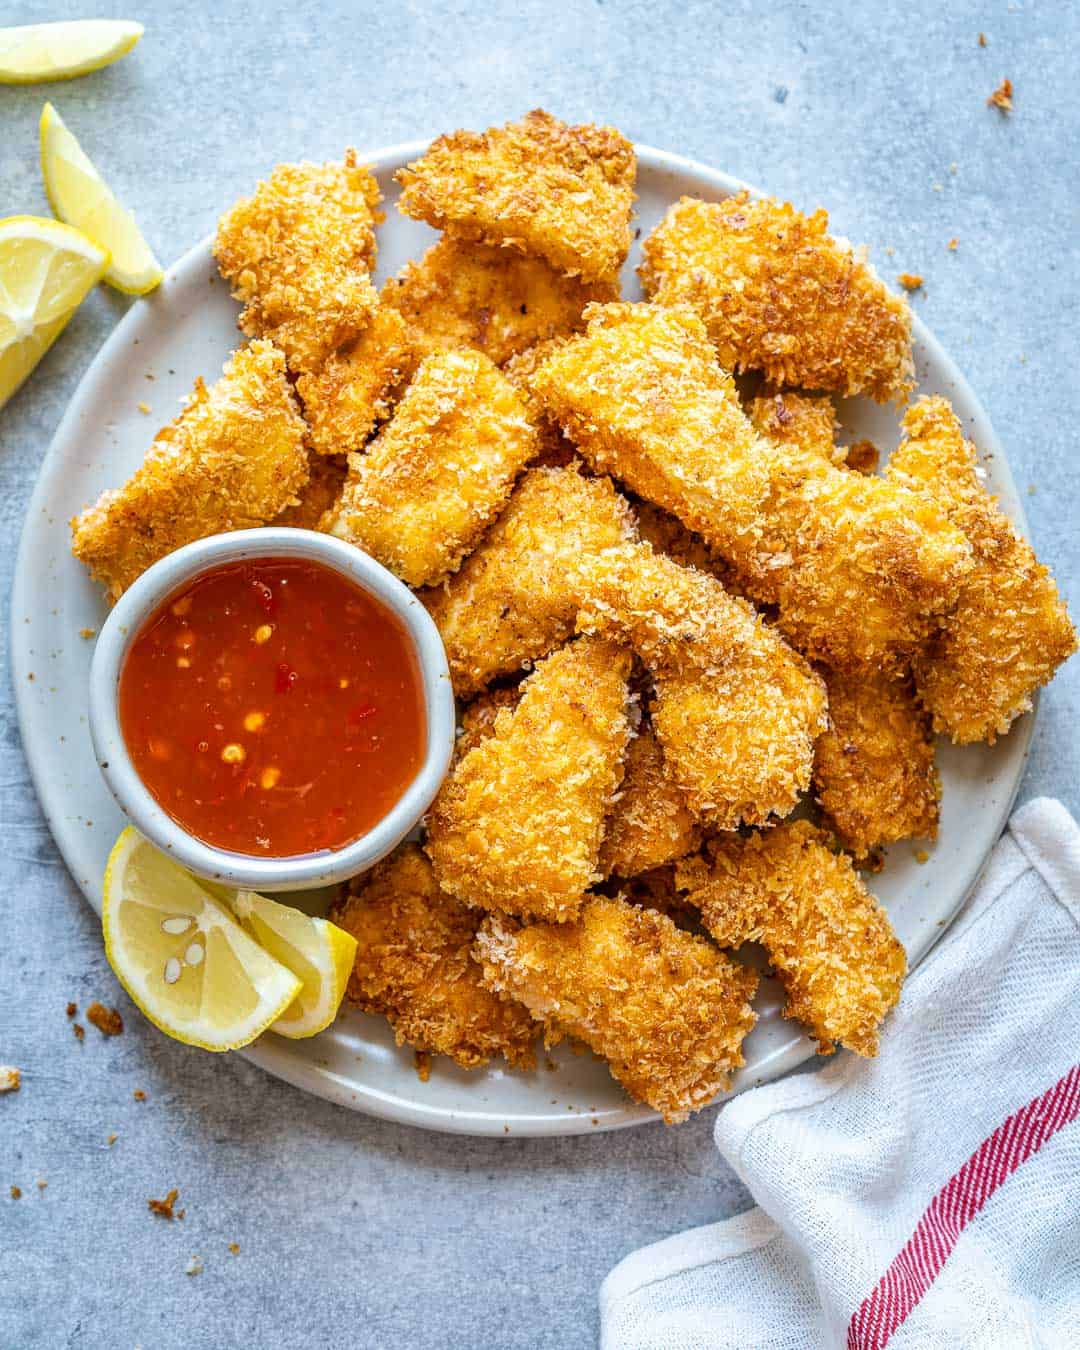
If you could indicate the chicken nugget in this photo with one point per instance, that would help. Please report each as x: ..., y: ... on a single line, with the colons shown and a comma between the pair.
x: 517, y: 825
x: 298, y: 253
x: 494, y: 299
x: 234, y: 458
x: 1010, y: 629
x: 318, y: 495
x: 514, y: 600
x: 736, y: 710
x: 829, y: 940
x: 806, y: 420
x: 667, y: 1010
x: 414, y: 965
x: 537, y: 186
x: 439, y: 471
x: 651, y: 822
x: 874, y: 774
x: 780, y: 295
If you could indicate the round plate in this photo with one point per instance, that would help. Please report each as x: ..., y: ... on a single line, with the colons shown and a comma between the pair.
x: 187, y: 328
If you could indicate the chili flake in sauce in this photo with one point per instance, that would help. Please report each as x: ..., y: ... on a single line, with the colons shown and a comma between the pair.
x: 273, y: 708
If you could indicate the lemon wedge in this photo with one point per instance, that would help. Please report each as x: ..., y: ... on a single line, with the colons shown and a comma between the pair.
x: 183, y: 958
x: 46, y: 270
x: 318, y: 953
x: 38, y: 52
x: 79, y: 196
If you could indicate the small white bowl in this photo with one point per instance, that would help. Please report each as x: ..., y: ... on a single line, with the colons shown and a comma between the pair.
x: 239, y: 870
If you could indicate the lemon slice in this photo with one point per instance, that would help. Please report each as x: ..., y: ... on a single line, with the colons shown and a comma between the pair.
x: 46, y: 270
x: 183, y: 958
x: 79, y: 195
x: 316, y: 951
x: 38, y: 52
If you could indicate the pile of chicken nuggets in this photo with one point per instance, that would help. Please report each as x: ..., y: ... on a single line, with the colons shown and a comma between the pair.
x: 675, y: 606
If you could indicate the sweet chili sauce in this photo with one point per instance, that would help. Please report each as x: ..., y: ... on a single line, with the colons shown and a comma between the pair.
x: 273, y: 708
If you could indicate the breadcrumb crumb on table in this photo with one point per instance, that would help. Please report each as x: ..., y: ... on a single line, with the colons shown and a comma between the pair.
x: 165, y: 1209
x: 517, y: 826
x: 1002, y: 97
x: 537, y: 186
x: 911, y: 281
x: 234, y: 458
x: 829, y: 940
x: 667, y: 1010
x: 779, y: 294
x: 421, y: 496
x: 10, y: 1078
x: 16, y: 1192
x: 107, y: 1020
x: 414, y: 966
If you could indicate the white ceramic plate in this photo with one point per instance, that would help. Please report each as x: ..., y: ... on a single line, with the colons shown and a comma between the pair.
x: 187, y: 328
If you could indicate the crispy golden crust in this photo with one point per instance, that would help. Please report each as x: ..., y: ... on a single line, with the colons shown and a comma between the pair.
x: 234, y: 458
x: 518, y: 823
x: 806, y: 420
x: 1010, y: 629
x: 420, y: 498
x: 537, y: 186
x: 353, y: 388
x: 666, y: 1010
x: 514, y: 599
x: 298, y: 253
x: 736, y: 710
x: 651, y: 822
x: 494, y: 299
x: 778, y: 294
x: 413, y: 965
x: 641, y: 396
x: 874, y: 774
x: 556, y: 450
x: 830, y: 941
x: 478, y: 718
x: 667, y: 534
x: 657, y: 890
x: 318, y: 495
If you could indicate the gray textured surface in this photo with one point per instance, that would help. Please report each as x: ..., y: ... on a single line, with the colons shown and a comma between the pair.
x: 354, y: 1232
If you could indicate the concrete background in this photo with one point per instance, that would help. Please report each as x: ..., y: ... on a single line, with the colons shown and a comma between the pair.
x: 354, y: 1232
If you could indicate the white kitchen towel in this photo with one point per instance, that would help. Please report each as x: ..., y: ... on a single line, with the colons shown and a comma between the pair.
x: 926, y: 1198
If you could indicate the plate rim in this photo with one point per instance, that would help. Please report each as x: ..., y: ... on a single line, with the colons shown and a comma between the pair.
x: 307, y: 1074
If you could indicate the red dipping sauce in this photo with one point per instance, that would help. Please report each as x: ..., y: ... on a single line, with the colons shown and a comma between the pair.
x: 273, y: 708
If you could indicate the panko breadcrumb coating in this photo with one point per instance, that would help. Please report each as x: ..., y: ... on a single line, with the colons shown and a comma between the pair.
x: 538, y: 186
x: 494, y: 299
x: 413, y: 965
x: 667, y: 534
x: 556, y: 450
x: 234, y: 458
x: 1010, y: 629
x: 806, y: 420
x: 780, y: 295
x: 318, y: 495
x: 666, y: 1010
x: 298, y: 253
x: 421, y: 496
x: 829, y: 940
x: 736, y: 710
x: 874, y: 774
x: 514, y: 600
x: 477, y: 721
x: 518, y: 823
x: 651, y: 822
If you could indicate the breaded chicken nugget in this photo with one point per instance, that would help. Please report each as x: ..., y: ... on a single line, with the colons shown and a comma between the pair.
x: 318, y: 495
x: 806, y: 420
x: 780, y: 295
x: 666, y: 1010
x: 642, y: 398
x: 439, y: 471
x: 857, y: 567
x: 517, y: 825
x: 353, y: 388
x: 829, y: 940
x: 651, y: 822
x: 494, y: 299
x: 667, y: 534
x: 234, y: 458
x: 414, y: 965
x: 736, y: 710
x: 514, y: 600
x: 298, y: 254
x: 1010, y: 629
x: 537, y: 186
x: 874, y: 773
